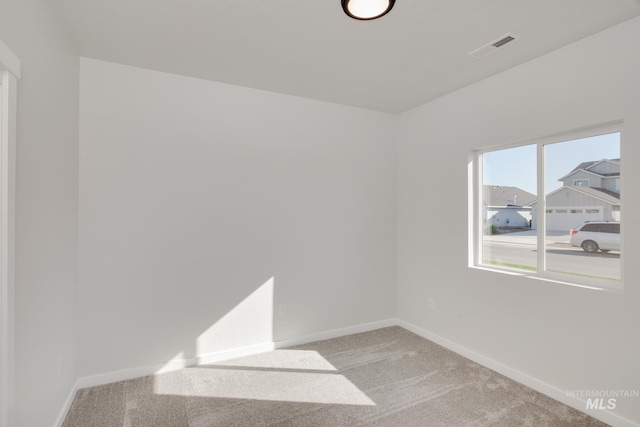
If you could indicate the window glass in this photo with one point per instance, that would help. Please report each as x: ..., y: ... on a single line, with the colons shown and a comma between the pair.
x: 595, y: 255
x: 611, y: 228
x: 507, y: 194
x: 553, y: 208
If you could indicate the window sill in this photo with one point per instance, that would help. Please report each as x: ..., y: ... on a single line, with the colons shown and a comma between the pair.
x: 615, y: 286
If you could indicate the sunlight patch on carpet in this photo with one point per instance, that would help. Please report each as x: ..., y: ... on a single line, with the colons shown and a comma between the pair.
x: 268, y: 385
x: 283, y: 359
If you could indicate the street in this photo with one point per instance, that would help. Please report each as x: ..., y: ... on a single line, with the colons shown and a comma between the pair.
x: 520, y: 252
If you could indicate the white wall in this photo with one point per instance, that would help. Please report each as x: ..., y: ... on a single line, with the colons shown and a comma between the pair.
x: 46, y: 210
x: 193, y: 194
x: 568, y: 337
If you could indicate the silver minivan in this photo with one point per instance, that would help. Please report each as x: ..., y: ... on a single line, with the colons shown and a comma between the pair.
x: 597, y: 235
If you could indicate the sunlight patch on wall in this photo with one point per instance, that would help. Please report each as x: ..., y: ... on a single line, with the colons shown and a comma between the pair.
x: 249, y: 322
x: 246, y: 328
x: 176, y: 362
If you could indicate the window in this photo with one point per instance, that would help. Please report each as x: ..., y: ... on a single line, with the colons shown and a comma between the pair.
x: 543, y: 234
x: 602, y: 228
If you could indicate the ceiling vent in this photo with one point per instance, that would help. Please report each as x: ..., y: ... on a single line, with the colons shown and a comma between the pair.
x: 491, y: 47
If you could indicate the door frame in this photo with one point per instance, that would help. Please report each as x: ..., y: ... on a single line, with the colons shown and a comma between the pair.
x: 9, y: 75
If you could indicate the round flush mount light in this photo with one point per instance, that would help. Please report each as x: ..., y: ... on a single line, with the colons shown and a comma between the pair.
x: 367, y: 9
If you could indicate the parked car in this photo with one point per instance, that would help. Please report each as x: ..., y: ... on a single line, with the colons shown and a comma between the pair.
x: 597, y: 235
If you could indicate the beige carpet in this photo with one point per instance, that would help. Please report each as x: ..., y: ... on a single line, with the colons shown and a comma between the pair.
x: 388, y: 377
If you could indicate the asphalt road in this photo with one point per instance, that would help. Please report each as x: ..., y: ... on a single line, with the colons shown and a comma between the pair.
x: 560, y: 257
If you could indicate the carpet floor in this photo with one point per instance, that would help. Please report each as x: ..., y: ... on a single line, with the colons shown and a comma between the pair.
x: 388, y: 377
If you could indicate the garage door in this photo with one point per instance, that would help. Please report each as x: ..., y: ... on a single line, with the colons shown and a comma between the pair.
x: 565, y: 218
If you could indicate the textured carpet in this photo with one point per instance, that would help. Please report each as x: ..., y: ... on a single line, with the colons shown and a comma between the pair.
x: 387, y: 377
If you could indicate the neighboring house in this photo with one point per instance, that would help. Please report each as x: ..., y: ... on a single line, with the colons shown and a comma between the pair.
x: 590, y: 192
x: 596, y: 174
x: 505, y: 206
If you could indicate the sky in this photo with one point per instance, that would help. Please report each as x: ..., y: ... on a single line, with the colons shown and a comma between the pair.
x: 516, y: 167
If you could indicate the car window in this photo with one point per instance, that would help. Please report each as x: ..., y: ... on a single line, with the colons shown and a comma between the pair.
x: 611, y: 228
x: 602, y: 228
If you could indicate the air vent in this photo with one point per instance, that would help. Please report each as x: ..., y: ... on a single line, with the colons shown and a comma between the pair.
x: 491, y: 47
x: 503, y: 41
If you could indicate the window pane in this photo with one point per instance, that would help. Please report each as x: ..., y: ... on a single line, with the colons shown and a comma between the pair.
x: 508, y: 191
x: 582, y: 180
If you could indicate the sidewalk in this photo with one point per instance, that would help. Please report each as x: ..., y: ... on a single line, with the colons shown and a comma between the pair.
x: 529, y: 237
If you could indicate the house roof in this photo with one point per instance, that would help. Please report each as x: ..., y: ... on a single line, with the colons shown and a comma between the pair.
x: 588, y: 166
x: 500, y: 195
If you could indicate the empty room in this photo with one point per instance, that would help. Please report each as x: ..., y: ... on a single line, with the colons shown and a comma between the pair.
x: 314, y: 213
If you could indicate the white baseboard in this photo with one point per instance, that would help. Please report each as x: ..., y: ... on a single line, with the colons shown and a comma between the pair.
x: 335, y: 333
x: 547, y: 389
x: 172, y: 365
x: 67, y: 405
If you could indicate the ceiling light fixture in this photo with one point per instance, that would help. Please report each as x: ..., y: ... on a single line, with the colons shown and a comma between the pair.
x: 366, y: 10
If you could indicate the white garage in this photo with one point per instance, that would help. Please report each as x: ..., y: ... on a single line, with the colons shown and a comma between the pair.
x: 570, y: 206
x: 567, y: 217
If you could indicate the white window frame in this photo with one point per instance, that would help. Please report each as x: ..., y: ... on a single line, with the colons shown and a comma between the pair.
x: 476, y: 218
x: 9, y: 75
x: 586, y: 181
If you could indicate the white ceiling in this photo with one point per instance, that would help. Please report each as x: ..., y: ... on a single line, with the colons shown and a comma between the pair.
x: 310, y: 48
